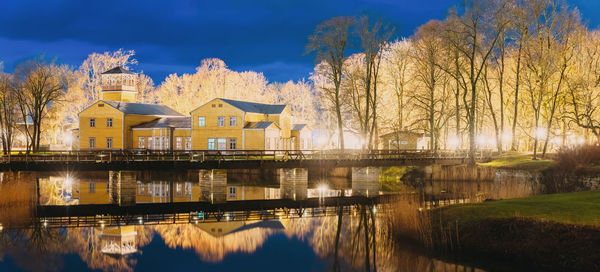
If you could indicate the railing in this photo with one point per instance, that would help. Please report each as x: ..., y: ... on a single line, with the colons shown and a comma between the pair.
x: 135, y: 155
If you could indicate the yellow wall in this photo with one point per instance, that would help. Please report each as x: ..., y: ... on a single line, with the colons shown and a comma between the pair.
x: 100, y: 131
x: 119, y: 96
x: 255, y: 139
x: 283, y: 120
x: 99, y: 196
x: 200, y: 135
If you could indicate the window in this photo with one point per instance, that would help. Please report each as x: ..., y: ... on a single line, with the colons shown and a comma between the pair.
x: 221, y: 121
x: 92, y: 142
x: 201, y: 121
x: 178, y: 143
x: 222, y: 143
x: 165, y: 142
x: 150, y: 143
x: 108, y: 122
x: 92, y: 187
x: 232, y: 143
x: 232, y: 121
x: 141, y: 142
x: 188, y: 143
x: 92, y: 122
x: 232, y: 192
x: 109, y: 142
x: 211, y: 143
x: 213, y: 105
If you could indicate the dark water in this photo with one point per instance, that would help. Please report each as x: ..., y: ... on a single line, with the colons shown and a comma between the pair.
x: 349, y: 238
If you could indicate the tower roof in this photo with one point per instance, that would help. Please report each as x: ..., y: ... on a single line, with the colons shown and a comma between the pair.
x: 118, y: 70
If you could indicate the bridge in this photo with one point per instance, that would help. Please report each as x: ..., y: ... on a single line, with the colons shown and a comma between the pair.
x: 111, y: 215
x: 227, y: 159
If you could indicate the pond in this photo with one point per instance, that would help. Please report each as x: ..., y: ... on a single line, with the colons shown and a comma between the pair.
x: 164, y: 235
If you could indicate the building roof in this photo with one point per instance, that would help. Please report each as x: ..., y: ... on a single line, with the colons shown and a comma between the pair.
x: 255, y: 107
x: 298, y: 126
x: 258, y: 125
x: 118, y: 70
x: 403, y: 132
x: 143, y: 109
x: 166, y: 122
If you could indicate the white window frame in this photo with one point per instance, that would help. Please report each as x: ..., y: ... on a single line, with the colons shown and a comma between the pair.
x: 232, y: 143
x: 211, y: 143
x: 201, y: 121
x: 109, y: 122
x: 220, y: 121
x: 233, y: 121
x: 92, y: 122
x: 141, y: 142
x: 109, y: 142
x: 92, y: 142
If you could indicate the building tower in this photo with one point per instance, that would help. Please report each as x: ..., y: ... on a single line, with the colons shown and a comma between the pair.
x: 118, y: 84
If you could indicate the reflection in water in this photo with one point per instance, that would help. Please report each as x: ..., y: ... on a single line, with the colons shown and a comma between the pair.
x: 343, y: 243
x: 356, y: 239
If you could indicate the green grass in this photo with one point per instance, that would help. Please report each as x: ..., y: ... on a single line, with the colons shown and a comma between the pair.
x: 519, y: 161
x: 582, y: 208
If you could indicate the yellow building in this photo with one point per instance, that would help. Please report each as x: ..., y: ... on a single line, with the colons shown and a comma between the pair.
x: 225, y: 124
x: 117, y: 122
x: 109, y: 123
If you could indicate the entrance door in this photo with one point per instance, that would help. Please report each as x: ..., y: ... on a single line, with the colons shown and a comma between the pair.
x: 222, y: 144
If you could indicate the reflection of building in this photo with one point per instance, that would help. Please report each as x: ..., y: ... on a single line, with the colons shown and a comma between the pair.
x: 218, y: 229
x: 119, y: 240
x: 251, y: 193
x: 404, y: 140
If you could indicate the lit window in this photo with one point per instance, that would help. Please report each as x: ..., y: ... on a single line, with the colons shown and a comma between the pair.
x: 178, y: 143
x: 188, y: 143
x: 232, y: 143
x: 92, y: 122
x: 109, y: 142
x: 221, y: 121
x: 150, y: 142
x: 201, y: 121
x: 92, y: 187
x: 141, y: 142
x: 108, y: 122
x: 211, y: 143
x: 92, y: 142
x: 232, y: 121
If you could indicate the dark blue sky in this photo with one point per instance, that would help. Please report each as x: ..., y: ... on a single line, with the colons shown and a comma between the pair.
x: 173, y: 36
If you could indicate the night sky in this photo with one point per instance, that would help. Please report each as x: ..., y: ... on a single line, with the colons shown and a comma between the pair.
x: 173, y: 36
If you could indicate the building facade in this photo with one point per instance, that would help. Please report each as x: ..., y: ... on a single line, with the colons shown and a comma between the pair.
x: 116, y: 121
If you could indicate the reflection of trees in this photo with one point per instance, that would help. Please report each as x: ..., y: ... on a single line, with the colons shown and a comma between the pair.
x: 40, y: 248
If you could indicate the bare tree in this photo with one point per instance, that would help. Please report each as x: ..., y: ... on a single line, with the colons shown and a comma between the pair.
x: 8, y: 112
x: 39, y: 86
x: 474, y: 35
x: 329, y: 42
x: 374, y: 39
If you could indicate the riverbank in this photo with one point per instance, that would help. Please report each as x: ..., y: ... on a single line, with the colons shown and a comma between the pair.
x: 548, y: 232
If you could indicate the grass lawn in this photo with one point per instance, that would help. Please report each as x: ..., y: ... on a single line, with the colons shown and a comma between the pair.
x: 582, y: 208
x: 519, y: 161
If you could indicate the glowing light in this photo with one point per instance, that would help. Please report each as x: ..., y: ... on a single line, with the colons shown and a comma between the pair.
x: 480, y: 140
x: 453, y: 142
x: 140, y: 220
x: 68, y: 140
x: 506, y: 137
x: 374, y: 209
x: 580, y: 140
x: 322, y: 189
x: 540, y: 132
x: 1, y: 227
x: 68, y: 180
